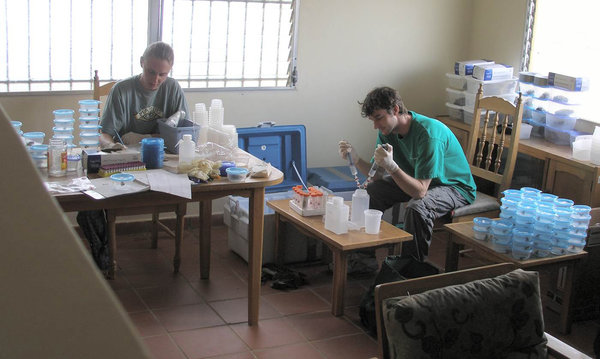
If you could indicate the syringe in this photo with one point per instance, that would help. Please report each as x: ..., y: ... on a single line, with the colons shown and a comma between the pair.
x: 351, y: 165
x: 373, y: 169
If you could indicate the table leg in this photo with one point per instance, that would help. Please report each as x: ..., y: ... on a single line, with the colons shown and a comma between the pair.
x: 278, y: 245
x: 565, y: 310
x: 452, y: 252
x: 155, y: 218
x: 256, y: 206
x: 340, y: 270
x: 205, y: 215
x: 179, y: 228
x: 111, y: 219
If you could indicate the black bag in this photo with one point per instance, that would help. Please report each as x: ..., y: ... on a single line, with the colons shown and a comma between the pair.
x: 393, y: 269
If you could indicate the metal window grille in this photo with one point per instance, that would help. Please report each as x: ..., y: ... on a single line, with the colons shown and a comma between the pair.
x: 55, y: 45
x: 232, y: 43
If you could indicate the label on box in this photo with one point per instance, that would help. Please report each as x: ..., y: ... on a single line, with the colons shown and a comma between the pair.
x: 466, y: 67
x: 568, y: 82
x: 492, y: 72
x: 93, y: 160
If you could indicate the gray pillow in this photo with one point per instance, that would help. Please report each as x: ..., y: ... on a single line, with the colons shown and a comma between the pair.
x: 490, y: 318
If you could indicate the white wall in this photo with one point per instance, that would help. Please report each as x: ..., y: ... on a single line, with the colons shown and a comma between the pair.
x: 345, y: 48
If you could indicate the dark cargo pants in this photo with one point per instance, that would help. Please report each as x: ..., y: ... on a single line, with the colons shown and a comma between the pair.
x: 420, y: 213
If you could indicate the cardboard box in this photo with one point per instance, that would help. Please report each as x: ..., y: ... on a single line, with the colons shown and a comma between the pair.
x: 466, y: 67
x: 93, y: 160
x: 568, y: 82
x: 493, y: 72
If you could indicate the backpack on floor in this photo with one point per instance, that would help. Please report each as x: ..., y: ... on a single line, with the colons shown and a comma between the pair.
x: 393, y: 269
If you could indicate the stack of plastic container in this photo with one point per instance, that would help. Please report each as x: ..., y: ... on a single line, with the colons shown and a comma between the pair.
x: 535, y: 223
x: 463, y: 84
x: 63, y: 126
x: 553, y: 105
x: 89, y: 126
x: 212, y: 127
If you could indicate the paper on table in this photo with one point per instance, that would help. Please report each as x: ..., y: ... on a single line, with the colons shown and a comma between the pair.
x: 171, y: 183
x: 107, y: 188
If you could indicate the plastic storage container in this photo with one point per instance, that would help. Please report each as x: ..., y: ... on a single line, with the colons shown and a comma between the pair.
x: 122, y: 181
x: 455, y: 112
x: 455, y: 97
x: 153, y: 152
x: 457, y: 82
x: 492, y: 88
x: 236, y: 174
x: 63, y: 114
x: 88, y: 104
x: 560, y: 122
x: 172, y: 135
x: 34, y: 138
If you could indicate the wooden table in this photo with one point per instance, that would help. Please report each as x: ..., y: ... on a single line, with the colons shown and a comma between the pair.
x: 146, y: 202
x: 340, y: 245
x: 461, y: 234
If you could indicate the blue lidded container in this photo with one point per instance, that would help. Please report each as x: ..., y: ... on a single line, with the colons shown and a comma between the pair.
x: 153, y: 152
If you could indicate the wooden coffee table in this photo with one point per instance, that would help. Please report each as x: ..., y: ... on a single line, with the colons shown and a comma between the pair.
x: 461, y: 235
x: 340, y: 245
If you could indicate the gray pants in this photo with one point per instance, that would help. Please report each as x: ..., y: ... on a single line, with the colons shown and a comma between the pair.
x: 420, y: 213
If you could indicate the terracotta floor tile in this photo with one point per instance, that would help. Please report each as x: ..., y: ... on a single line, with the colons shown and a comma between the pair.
x: 244, y: 355
x: 206, y: 342
x: 353, y: 293
x: 163, y: 347
x: 296, y: 301
x: 359, y: 346
x: 130, y: 300
x: 236, y: 310
x: 294, y: 351
x: 188, y: 317
x: 146, y: 324
x: 154, y: 278
x: 353, y: 315
x: 322, y: 325
x: 169, y: 296
x: 221, y: 286
x: 268, y: 333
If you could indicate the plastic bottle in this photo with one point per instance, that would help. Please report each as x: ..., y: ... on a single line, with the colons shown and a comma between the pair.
x: 336, y: 215
x: 187, y: 147
x: 57, y: 158
x: 360, y: 203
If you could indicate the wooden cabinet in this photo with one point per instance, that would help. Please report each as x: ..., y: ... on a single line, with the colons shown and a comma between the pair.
x: 563, y: 175
x: 569, y: 181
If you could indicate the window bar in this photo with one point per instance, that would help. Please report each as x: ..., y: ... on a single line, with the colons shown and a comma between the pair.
x: 7, y: 36
x: 131, y: 38
x: 262, y: 34
x: 227, y: 45
x: 50, y: 44
x: 244, y: 44
x: 70, y: 45
x: 28, y: 44
x: 172, y: 28
x: 91, y: 44
x: 189, y: 76
x: 208, y: 44
x: 527, y: 39
x: 112, y: 20
x: 278, y: 43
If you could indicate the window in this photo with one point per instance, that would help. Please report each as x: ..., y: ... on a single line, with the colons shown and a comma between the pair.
x: 562, y: 39
x: 55, y: 45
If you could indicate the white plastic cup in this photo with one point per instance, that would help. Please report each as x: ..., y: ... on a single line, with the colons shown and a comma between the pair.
x: 372, y: 221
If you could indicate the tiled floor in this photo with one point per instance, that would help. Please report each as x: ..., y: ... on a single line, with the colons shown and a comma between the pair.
x: 180, y: 316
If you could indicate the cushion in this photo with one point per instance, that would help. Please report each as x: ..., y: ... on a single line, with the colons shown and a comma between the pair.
x: 482, y: 203
x: 498, y: 317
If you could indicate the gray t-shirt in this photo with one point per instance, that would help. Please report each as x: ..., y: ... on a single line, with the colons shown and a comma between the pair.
x: 131, y: 108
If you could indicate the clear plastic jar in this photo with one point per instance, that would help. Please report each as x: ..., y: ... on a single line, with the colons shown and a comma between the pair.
x: 57, y: 158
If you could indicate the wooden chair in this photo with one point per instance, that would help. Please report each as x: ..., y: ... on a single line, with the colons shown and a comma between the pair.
x: 102, y: 91
x: 555, y: 347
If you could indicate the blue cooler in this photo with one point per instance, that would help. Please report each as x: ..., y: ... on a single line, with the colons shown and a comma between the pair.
x: 282, y: 147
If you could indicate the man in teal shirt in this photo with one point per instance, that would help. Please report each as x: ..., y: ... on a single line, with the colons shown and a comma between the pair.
x: 424, y: 164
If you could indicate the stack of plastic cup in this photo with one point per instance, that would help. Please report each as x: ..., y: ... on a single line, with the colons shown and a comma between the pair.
x: 501, y: 232
x: 522, y: 243
x: 17, y: 126
x: 481, y: 228
x: 39, y: 154
x: 89, y: 124
x: 63, y: 126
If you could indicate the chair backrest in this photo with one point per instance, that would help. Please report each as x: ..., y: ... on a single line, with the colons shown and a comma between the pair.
x: 101, y: 91
x: 489, y: 140
x: 419, y: 285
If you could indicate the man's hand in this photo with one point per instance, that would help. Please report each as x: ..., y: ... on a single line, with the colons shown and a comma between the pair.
x: 112, y: 147
x: 132, y: 138
x: 344, y: 148
x: 385, y: 158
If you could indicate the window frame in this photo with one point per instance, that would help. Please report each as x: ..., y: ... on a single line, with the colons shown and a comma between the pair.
x: 154, y: 33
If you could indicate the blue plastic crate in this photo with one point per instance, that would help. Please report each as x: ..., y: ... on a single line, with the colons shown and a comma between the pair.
x: 281, y: 146
x: 337, y: 179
